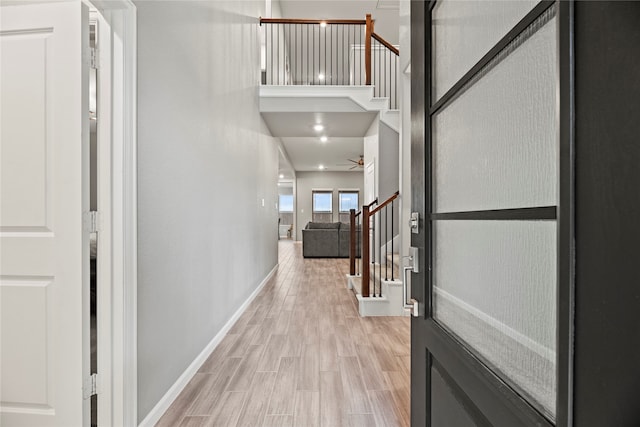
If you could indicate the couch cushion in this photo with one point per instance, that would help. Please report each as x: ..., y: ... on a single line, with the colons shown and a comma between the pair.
x: 320, y: 243
x: 323, y: 225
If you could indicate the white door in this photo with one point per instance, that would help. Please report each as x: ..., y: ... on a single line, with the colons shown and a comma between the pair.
x: 370, y: 183
x: 43, y: 194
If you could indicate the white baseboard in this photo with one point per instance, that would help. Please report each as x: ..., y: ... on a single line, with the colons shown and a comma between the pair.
x: 161, y: 407
x: 373, y: 306
x: 349, y: 282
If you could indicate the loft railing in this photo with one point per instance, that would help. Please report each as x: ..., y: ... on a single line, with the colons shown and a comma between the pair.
x: 384, y: 70
x: 329, y: 52
x: 378, y: 229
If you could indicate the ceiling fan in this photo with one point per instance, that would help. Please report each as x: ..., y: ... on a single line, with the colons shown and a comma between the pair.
x: 356, y: 163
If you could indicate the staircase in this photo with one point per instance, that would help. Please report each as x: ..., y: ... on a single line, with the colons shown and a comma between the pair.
x: 375, y: 270
x: 388, y: 299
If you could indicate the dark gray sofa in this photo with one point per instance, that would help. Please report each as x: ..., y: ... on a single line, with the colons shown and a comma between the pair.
x: 344, y: 236
x: 325, y: 240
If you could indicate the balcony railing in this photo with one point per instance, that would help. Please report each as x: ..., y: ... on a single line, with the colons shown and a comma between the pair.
x: 329, y: 52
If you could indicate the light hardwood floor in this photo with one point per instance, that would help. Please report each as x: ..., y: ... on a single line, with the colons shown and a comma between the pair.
x: 301, y: 356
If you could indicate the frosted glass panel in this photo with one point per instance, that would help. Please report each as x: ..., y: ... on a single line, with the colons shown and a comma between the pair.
x: 496, y: 145
x: 464, y: 31
x: 495, y: 288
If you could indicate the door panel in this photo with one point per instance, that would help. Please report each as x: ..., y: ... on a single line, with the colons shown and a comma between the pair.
x: 44, y: 115
x: 491, y: 335
x: 447, y: 410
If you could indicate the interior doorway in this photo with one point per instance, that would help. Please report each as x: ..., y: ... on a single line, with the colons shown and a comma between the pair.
x: 111, y: 305
x: 286, y: 210
x: 93, y: 207
x: 68, y: 176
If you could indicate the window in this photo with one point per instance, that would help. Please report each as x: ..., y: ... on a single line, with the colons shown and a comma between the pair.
x: 286, y: 203
x: 285, y: 208
x: 347, y: 200
x: 322, y: 206
x: 322, y: 201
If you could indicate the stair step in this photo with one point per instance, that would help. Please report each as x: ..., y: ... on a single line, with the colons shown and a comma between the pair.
x: 378, y: 306
x: 356, y: 285
x: 389, y: 304
x: 394, y: 258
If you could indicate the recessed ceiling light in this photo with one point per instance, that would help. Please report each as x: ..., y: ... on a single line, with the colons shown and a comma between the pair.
x: 323, y: 24
x: 281, y: 176
x: 318, y: 127
x: 320, y: 76
x: 321, y: 167
x: 324, y: 139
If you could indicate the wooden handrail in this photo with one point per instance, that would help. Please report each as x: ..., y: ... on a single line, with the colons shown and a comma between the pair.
x: 388, y: 45
x: 367, y: 50
x: 372, y: 203
x: 313, y: 21
x: 385, y: 203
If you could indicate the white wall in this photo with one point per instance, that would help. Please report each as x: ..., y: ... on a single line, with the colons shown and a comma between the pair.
x: 371, y: 151
x: 276, y: 49
x: 206, y: 162
x: 388, y: 162
x: 388, y: 176
x: 307, y: 181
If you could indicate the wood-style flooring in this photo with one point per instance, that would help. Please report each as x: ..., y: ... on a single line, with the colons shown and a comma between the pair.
x: 301, y: 356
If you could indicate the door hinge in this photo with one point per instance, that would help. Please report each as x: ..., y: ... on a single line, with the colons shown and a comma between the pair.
x: 90, y: 386
x: 92, y: 221
x: 93, y: 58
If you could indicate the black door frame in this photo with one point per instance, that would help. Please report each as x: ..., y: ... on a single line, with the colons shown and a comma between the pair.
x: 473, y: 384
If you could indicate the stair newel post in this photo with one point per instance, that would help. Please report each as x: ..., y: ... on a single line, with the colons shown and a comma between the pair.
x: 379, y: 245
x: 367, y: 49
x: 365, y: 254
x: 373, y: 249
x: 359, y: 242
x: 352, y: 242
x: 392, y: 256
x: 386, y: 242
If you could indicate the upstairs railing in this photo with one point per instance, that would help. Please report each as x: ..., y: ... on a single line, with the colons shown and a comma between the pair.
x: 376, y: 245
x: 329, y: 52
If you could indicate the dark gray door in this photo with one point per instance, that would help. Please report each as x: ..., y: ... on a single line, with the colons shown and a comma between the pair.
x: 492, y: 175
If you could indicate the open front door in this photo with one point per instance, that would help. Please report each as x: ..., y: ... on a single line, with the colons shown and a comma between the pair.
x: 44, y: 259
x: 491, y: 182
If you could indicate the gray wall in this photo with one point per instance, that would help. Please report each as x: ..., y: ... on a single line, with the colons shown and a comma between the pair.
x: 388, y: 173
x: 307, y: 181
x: 206, y: 162
x: 388, y: 160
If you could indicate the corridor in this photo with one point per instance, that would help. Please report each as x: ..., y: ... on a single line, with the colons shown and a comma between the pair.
x: 301, y: 356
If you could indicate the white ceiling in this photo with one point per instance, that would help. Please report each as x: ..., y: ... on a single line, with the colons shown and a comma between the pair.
x: 308, y: 153
x: 345, y: 138
x: 300, y: 124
